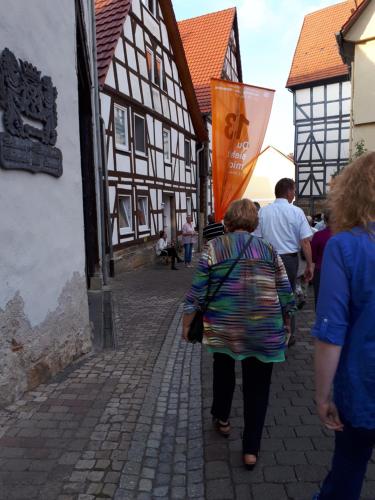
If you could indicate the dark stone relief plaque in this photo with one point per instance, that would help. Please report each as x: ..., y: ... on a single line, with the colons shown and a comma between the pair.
x: 29, y: 118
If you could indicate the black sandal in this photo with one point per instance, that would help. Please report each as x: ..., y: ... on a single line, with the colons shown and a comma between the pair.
x: 222, y: 428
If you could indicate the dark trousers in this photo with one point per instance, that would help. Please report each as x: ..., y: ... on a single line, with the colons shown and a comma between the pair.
x: 256, y: 381
x: 291, y: 266
x: 170, y: 252
x: 353, y: 449
x: 316, y: 285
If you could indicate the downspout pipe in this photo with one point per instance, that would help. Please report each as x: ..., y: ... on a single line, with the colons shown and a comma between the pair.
x: 98, y: 154
x: 106, y: 195
x: 200, y: 214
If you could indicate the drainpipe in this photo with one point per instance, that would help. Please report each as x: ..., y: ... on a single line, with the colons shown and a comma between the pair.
x: 106, y: 195
x: 200, y: 214
x: 97, y: 148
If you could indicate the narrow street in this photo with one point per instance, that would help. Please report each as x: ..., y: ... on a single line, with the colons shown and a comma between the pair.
x: 134, y: 422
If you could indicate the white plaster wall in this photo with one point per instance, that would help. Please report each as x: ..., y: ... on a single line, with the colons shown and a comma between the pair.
x: 41, y: 224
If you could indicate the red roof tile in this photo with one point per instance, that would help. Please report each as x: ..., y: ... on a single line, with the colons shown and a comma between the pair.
x: 317, y: 56
x: 205, y: 40
x: 110, y: 18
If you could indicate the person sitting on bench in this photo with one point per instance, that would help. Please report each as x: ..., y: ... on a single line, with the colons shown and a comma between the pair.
x: 165, y: 250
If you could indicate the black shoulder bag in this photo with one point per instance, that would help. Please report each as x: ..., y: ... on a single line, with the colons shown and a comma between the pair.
x: 195, y: 333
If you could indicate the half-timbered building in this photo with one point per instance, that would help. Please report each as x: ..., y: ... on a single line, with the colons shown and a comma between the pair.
x: 321, y: 90
x: 152, y: 124
x: 213, y: 56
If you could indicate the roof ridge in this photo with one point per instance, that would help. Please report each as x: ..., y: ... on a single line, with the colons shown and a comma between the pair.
x: 328, y: 7
x: 208, y: 14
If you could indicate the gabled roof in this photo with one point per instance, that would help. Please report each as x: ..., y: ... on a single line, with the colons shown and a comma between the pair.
x: 205, y: 40
x: 316, y: 57
x: 110, y: 18
x: 269, y: 147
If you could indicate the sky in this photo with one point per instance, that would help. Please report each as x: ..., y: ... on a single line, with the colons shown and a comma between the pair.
x: 269, y: 31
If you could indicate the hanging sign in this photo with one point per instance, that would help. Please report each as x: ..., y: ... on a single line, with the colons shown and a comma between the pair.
x: 240, y: 115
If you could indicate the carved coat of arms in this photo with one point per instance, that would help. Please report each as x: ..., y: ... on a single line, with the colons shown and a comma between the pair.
x: 28, y: 101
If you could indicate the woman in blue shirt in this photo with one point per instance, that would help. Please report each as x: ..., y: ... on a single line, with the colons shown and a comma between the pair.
x: 345, y: 330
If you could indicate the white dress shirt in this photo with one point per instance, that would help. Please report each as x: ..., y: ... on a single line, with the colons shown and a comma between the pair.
x: 283, y: 225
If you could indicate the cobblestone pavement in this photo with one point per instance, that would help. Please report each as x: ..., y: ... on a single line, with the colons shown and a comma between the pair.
x: 135, y: 422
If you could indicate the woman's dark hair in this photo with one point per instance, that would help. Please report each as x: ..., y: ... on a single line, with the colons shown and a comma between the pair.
x: 161, y: 234
x: 283, y: 186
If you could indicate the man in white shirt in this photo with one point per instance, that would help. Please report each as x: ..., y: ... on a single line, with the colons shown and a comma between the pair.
x: 285, y: 226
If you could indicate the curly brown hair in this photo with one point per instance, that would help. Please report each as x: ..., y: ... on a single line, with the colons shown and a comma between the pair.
x: 351, y: 199
x: 241, y: 214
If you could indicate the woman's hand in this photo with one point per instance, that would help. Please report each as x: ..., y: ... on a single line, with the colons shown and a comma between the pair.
x: 329, y: 415
x: 185, y: 331
x: 186, y: 322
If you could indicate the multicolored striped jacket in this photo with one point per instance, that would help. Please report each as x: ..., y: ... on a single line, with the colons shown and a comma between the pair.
x: 245, y: 318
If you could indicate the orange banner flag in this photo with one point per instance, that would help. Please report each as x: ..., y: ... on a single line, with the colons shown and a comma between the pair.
x: 240, y: 115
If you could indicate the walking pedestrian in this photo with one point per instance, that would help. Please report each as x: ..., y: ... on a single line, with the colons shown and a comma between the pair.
x: 285, y: 226
x: 318, y: 244
x: 163, y: 248
x: 345, y: 330
x: 213, y: 229
x: 188, y: 234
x: 245, y: 319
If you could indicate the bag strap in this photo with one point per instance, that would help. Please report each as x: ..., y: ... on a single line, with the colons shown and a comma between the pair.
x: 228, y: 272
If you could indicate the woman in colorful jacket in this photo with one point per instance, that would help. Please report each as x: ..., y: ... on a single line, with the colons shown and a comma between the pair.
x: 246, y: 320
x: 345, y: 330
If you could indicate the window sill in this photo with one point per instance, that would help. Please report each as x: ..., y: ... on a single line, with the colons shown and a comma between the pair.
x: 125, y: 149
x: 141, y: 154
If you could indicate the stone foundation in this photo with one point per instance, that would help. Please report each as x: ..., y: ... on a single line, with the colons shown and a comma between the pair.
x: 30, y: 355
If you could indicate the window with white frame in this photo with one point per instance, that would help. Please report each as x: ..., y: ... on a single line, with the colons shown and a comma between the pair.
x: 167, y: 145
x: 150, y: 64
x: 187, y: 153
x: 121, y: 127
x: 139, y: 134
x: 125, y: 214
x: 142, y: 212
x: 188, y: 206
x: 158, y: 75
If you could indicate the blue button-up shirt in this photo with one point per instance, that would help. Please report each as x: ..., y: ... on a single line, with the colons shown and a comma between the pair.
x: 283, y: 225
x: 346, y: 317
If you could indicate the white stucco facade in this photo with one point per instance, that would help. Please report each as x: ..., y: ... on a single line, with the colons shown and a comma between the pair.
x: 43, y: 301
x: 361, y: 36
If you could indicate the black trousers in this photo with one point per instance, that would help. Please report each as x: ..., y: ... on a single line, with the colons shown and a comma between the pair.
x: 316, y: 284
x: 256, y: 381
x: 291, y: 266
x: 170, y: 252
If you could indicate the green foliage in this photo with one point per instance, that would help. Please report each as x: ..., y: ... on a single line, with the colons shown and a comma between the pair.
x: 360, y: 149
